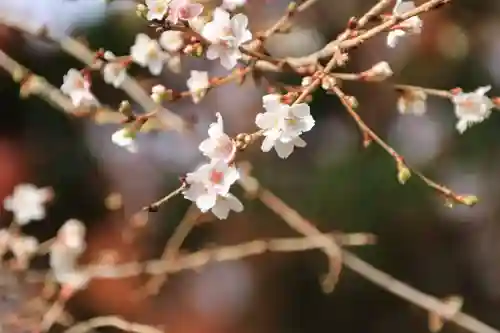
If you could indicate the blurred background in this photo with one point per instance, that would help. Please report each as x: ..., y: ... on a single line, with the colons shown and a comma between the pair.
x: 335, y: 182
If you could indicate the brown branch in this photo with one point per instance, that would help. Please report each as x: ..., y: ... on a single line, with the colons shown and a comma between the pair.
x: 369, y: 272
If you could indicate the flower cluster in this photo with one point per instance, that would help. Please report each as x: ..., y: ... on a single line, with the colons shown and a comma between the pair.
x: 27, y: 203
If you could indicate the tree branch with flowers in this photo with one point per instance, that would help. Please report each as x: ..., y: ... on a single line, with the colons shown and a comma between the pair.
x: 286, y: 115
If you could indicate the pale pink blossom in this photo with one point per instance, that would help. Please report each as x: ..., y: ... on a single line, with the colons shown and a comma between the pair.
x: 413, y: 25
x: 183, y: 10
x: 472, y: 107
x: 198, y: 83
x: 78, y: 89
x: 218, y: 145
x: 27, y: 203
x: 226, y: 35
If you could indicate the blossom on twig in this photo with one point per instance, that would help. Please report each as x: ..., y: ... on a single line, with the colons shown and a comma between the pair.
x: 472, y: 107
x: 226, y: 35
x: 283, y: 124
x: 27, y: 203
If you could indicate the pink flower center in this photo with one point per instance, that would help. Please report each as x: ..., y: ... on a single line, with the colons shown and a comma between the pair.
x: 216, y: 177
x: 184, y: 13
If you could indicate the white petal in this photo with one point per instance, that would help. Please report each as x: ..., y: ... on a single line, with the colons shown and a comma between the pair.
x: 283, y: 149
x: 234, y: 203
x: 267, y: 144
x: 266, y: 120
x: 206, y: 201
x: 300, y: 110
x: 299, y: 142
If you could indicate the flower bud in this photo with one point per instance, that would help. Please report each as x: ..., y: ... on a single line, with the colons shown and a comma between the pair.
x: 379, y: 72
x: 403, y: 173
x: 468, y: 200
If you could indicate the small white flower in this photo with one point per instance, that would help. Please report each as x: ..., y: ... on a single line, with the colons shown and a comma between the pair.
x: 114, y: 72
x: 174, y: 63
x: 231, y: 5
x: 125, y: 138
x: 158, y: 93
x: 306, y: 81
x: 379, y: 72
x: 472, y: 107
x: 226, y: 203
x: 146, y: 52
x: 157, y: 9
x: 171, y: 40
x: 78, y: 89
x: 412, y: 101
x: 283, y: 124
x: 64, y: 253
x: 27, y: 203
x: 218, y: 145
x: 198, y: 84
x: 209, y: 188
x: 226, y: 35
x: 413, y: 25
x: 23, y: 248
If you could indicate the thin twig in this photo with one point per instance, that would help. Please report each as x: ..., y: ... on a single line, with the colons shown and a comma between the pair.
x: 369, y: 272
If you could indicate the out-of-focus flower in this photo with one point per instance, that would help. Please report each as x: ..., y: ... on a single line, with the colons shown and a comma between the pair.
x: 78, y: 89
x: 413, y: 25
x: 379, y: 72
x: 472, y: 107
x: 412, y: 101
x: 231, y: 5
x: 27, y: 203
x: 146, y: 52
x: 125, y: 138
x: 156, y: 9
x: 183, y: 10
x: 114, y: 72
x: 171, y: 40
x: 198, y: 84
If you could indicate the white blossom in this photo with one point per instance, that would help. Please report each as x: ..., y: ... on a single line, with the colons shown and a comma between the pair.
x: 22, y: 247
x: 64, y: 253
x: 114, y: 72
x: 27, y: 203
x: 472, y: 107
x: 231, y: 5
x: 413, y: 25
x: 218, y: 145
x: 158, y: 93
x: 146, y: 52
x: 125, y: 138
x: 283, y: 124
x: 379, y: 72
x: 156, y: 9
x: 412, y: 101
x: 78, y: 89
x: 198, y: 83
x: 226, y: 35
x: 183, y: 10
x: 208, y: 188
x: 171, y: 40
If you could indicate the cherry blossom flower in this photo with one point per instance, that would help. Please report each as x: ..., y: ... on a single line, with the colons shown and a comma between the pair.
x: 283, y: 124
x: 27, y: 203
x: 156, y: 9
x: 171, y: 40
x: 125, y: 138
x: 146, y: 52
x: 472, y: 107
x: 158, y: 93
x: 379, y: 72
x: 413, y: 25
x: 22, y: 247
x: 78, y: 89
x: 114, y: 72
x: 209, y: 188
x: 412, y: 101
x: 64, y: 253
x: 231, y: 5
x: 218, y: 146
x: 198, y: 84
x: 226, y: 35
x: 183, y: 10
